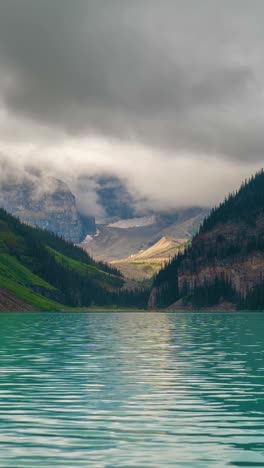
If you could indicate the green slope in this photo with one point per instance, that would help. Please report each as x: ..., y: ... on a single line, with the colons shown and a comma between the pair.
x: 20, y: 280
x: 49, y: 273
x: 106, y: 280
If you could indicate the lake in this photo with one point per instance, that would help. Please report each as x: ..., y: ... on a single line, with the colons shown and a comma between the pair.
x: 132, y: 390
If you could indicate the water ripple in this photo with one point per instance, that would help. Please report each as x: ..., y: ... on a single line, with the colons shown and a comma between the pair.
x: 131, y: 390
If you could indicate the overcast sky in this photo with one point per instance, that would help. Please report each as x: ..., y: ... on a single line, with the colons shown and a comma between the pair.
x: 166, y: 94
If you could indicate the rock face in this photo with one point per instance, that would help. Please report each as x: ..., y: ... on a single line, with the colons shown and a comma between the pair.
x: 126, y: 237
x: 243, y: 269
x: 225, y: 261
x: 146, y: 263
x: 49, y: 205
x: 10, y: 303
x: 115, y: 199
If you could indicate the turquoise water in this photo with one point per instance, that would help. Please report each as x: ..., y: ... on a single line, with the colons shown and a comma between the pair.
x: 131, y: 390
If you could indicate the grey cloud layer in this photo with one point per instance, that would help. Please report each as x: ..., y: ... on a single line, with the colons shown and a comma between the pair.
x: 181, y: 74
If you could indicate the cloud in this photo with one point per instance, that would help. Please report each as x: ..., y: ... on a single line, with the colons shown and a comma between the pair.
x: 154, y: 182
x: 165, y: 95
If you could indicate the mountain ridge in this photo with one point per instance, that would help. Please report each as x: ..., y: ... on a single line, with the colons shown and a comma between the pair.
x: 41, y: 270
x: 113, y: 243
x: 143, y: 265
x: 225, y: 261
x: 48, y: 203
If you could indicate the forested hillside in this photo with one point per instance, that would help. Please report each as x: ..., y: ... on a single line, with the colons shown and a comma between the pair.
x: 225, y: 261
x: 49, y: 273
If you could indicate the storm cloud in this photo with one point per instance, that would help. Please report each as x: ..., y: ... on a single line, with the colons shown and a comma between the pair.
x: 159, y: 93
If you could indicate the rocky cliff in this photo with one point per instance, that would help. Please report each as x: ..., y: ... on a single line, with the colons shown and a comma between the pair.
x: 10, y: 303
x: 126, y: 237
x: 225, y: 262
x: 49, y: 204
x: 227, y: 251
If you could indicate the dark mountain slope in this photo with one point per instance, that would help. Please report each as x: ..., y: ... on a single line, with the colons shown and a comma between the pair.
x: 49, y: 273
x: 225, y: 262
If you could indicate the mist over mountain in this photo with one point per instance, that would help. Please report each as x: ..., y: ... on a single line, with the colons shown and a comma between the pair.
x: 150, y: 112
x: 111, y: 221
x: 106, y: 196
x: 163, y: 96
x: 49, y: 204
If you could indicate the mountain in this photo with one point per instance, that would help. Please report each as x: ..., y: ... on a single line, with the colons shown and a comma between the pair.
x: 114, y: 198
x: 9, y: 302
x: 122, y: 238
x: 120, y: 232
x: 41, y: 271
x: 146, y: 263
x: 47, y: 203
x: 224, y: 264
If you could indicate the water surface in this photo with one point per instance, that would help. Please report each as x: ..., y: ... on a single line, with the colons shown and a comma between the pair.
x: 131, y: 390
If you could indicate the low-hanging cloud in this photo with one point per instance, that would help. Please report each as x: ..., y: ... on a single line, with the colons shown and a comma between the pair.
x: 167, y: 95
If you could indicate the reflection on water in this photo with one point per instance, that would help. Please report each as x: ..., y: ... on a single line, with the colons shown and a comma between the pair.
x: 131, y: 390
